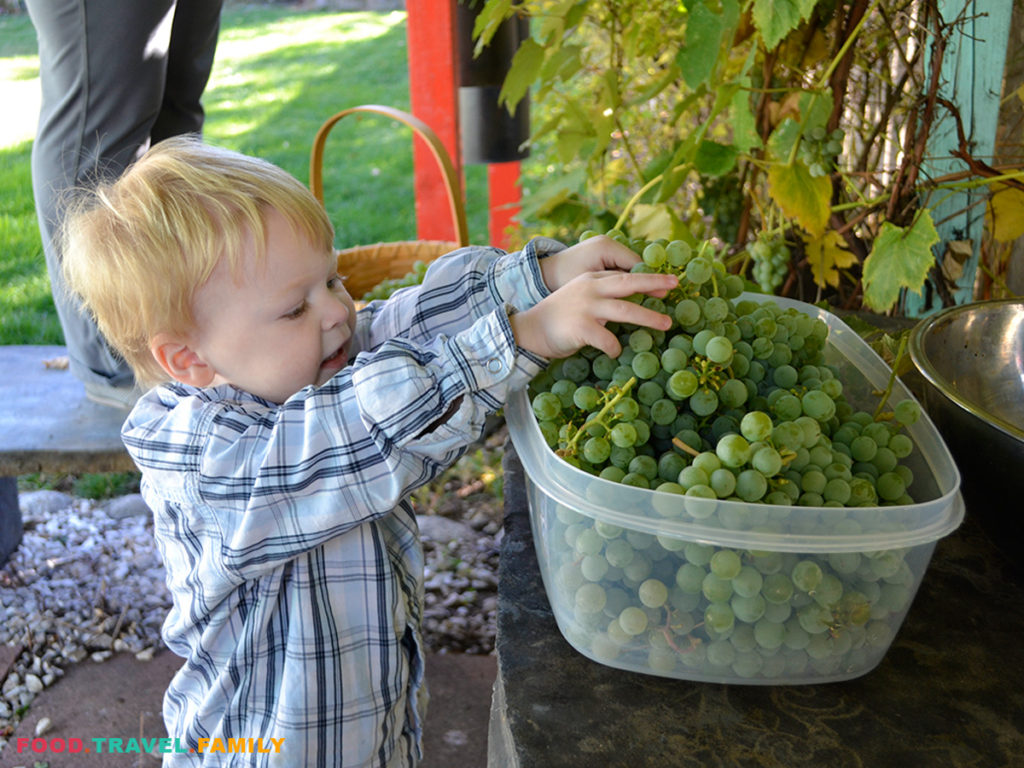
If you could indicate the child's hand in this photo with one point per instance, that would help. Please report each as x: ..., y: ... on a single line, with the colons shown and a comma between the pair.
x: 595, y: 254
x: 574, y: 316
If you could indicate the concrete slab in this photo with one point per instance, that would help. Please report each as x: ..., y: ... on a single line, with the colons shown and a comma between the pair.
x: 46, y: 422
x: 122, y: 698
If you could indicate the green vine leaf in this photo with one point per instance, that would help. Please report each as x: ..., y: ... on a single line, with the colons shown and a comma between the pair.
x: 775, y: 19
x: 703, y: 37
x: 714, y: 159
x: 900, y: 258
x: 526, y: 64
x: 801, y: 196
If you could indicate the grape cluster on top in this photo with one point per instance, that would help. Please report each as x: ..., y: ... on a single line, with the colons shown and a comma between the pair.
x: 735, y: 401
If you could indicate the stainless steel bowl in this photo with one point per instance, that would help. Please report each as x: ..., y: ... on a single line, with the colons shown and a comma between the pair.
x: 972, y: 359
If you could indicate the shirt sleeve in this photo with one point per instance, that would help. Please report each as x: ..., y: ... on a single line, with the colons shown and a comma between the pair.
x: 458, y: 288
x: 268, y: 482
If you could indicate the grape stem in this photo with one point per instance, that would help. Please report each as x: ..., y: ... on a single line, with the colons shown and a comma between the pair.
x: 683, y: 446
x: 892, y: 377
x: 598, y: 418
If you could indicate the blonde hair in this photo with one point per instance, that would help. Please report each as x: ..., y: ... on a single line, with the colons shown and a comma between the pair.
x: 136, y: 249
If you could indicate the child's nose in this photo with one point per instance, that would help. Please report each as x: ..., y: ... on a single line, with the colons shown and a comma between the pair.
x: 336, y: 313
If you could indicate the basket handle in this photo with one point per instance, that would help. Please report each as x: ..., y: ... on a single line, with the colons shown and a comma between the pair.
x: 444, y: 161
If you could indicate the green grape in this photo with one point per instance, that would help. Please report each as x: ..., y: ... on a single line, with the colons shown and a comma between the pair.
x: 633, y: 621
x: 756, y: 426
x: 722, y: 482
x: 751, y: 485
x: 747, y: 582
x: 678, y: 253
x: 646, y: 365
x: 623, y: 435
x: 719, y: 617
x: 627, y: 408
x: 747, y: 609
x: 663, y: 412
x: 863, y: 448
x: 818, y: 405
x: 654, y: 255
x: 901, y: 446
x: 716, y: 309
x: 591, y: 598
x: 604, y: 367
x: 690, y: 577
x: 653, y: 593
x: 767, y: 461
x: 586, y: 398
x: 547, y: 406
x: 704, y: 401
x: 733, y: 450
x: 907, y: 412
x: 726, y: 564
x: 596, y: 450
x: 733, y: 393
x: 687, y: 312
x: 640, y: 340
x: 890, y: 486
x: 674, y: 359
x: 698, y: 270
x: 718, y: 349
x: 785, y: 376
x: 806, y: 575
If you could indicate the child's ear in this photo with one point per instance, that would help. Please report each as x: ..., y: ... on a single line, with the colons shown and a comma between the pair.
x: 179, y: 360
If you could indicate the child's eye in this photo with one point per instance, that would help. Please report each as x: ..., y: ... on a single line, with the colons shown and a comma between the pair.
x: 335, y: 282
x: 299, y: 311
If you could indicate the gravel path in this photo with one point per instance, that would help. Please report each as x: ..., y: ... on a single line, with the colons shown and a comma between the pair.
x: 87, y: 582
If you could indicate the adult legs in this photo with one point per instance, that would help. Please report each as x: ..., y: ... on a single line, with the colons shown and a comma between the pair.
x: 116, y: 75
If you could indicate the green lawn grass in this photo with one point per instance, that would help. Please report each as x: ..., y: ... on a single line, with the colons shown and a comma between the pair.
x: 279, y: 73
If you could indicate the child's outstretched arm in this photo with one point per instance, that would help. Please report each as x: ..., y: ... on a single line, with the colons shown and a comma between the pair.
x: 575, y: 315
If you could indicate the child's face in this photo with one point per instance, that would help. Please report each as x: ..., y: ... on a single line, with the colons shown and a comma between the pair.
x: 286, y: 324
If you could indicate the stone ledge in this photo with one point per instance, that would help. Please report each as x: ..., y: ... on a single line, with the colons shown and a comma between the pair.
x: 948, y: 692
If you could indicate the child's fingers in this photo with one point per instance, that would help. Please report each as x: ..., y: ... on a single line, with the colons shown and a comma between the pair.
x: 619, y: 311
x: 622, y: 284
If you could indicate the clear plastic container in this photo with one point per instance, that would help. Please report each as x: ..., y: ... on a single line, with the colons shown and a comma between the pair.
x: 614, y: 556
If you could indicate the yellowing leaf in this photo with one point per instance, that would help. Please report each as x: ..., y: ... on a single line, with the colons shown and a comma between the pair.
x: 827, y: 257
x: 1005, y: 213
x: 652, y: 222
x: 801, y: 196
x: 900, y: 258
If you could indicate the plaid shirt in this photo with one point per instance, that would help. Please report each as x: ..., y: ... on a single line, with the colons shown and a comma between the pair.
x: 291, y: 551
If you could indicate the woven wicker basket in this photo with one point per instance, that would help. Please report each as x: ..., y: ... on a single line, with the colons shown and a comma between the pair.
x: 365, y: 266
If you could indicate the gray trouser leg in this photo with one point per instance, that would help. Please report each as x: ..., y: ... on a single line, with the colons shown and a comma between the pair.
x: 116, y: 75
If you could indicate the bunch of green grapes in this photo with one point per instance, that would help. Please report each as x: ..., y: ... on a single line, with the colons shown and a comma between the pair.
x: 687, y: 608
x: 819, y: 150
x: 722, y: 199
x: 385, y: 288
x: 771, y: 262
x: 734, y: 401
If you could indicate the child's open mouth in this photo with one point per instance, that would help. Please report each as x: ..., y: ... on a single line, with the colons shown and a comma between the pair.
x: 335, y: 361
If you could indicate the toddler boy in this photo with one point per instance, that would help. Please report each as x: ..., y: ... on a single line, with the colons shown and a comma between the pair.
x: 285, y: 430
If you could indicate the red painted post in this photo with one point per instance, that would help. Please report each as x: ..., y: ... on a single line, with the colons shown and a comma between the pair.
x: 433, y: 98
x: 505, y: 194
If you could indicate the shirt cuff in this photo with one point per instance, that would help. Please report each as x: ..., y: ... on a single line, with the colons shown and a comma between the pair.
x: 516, y: 279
